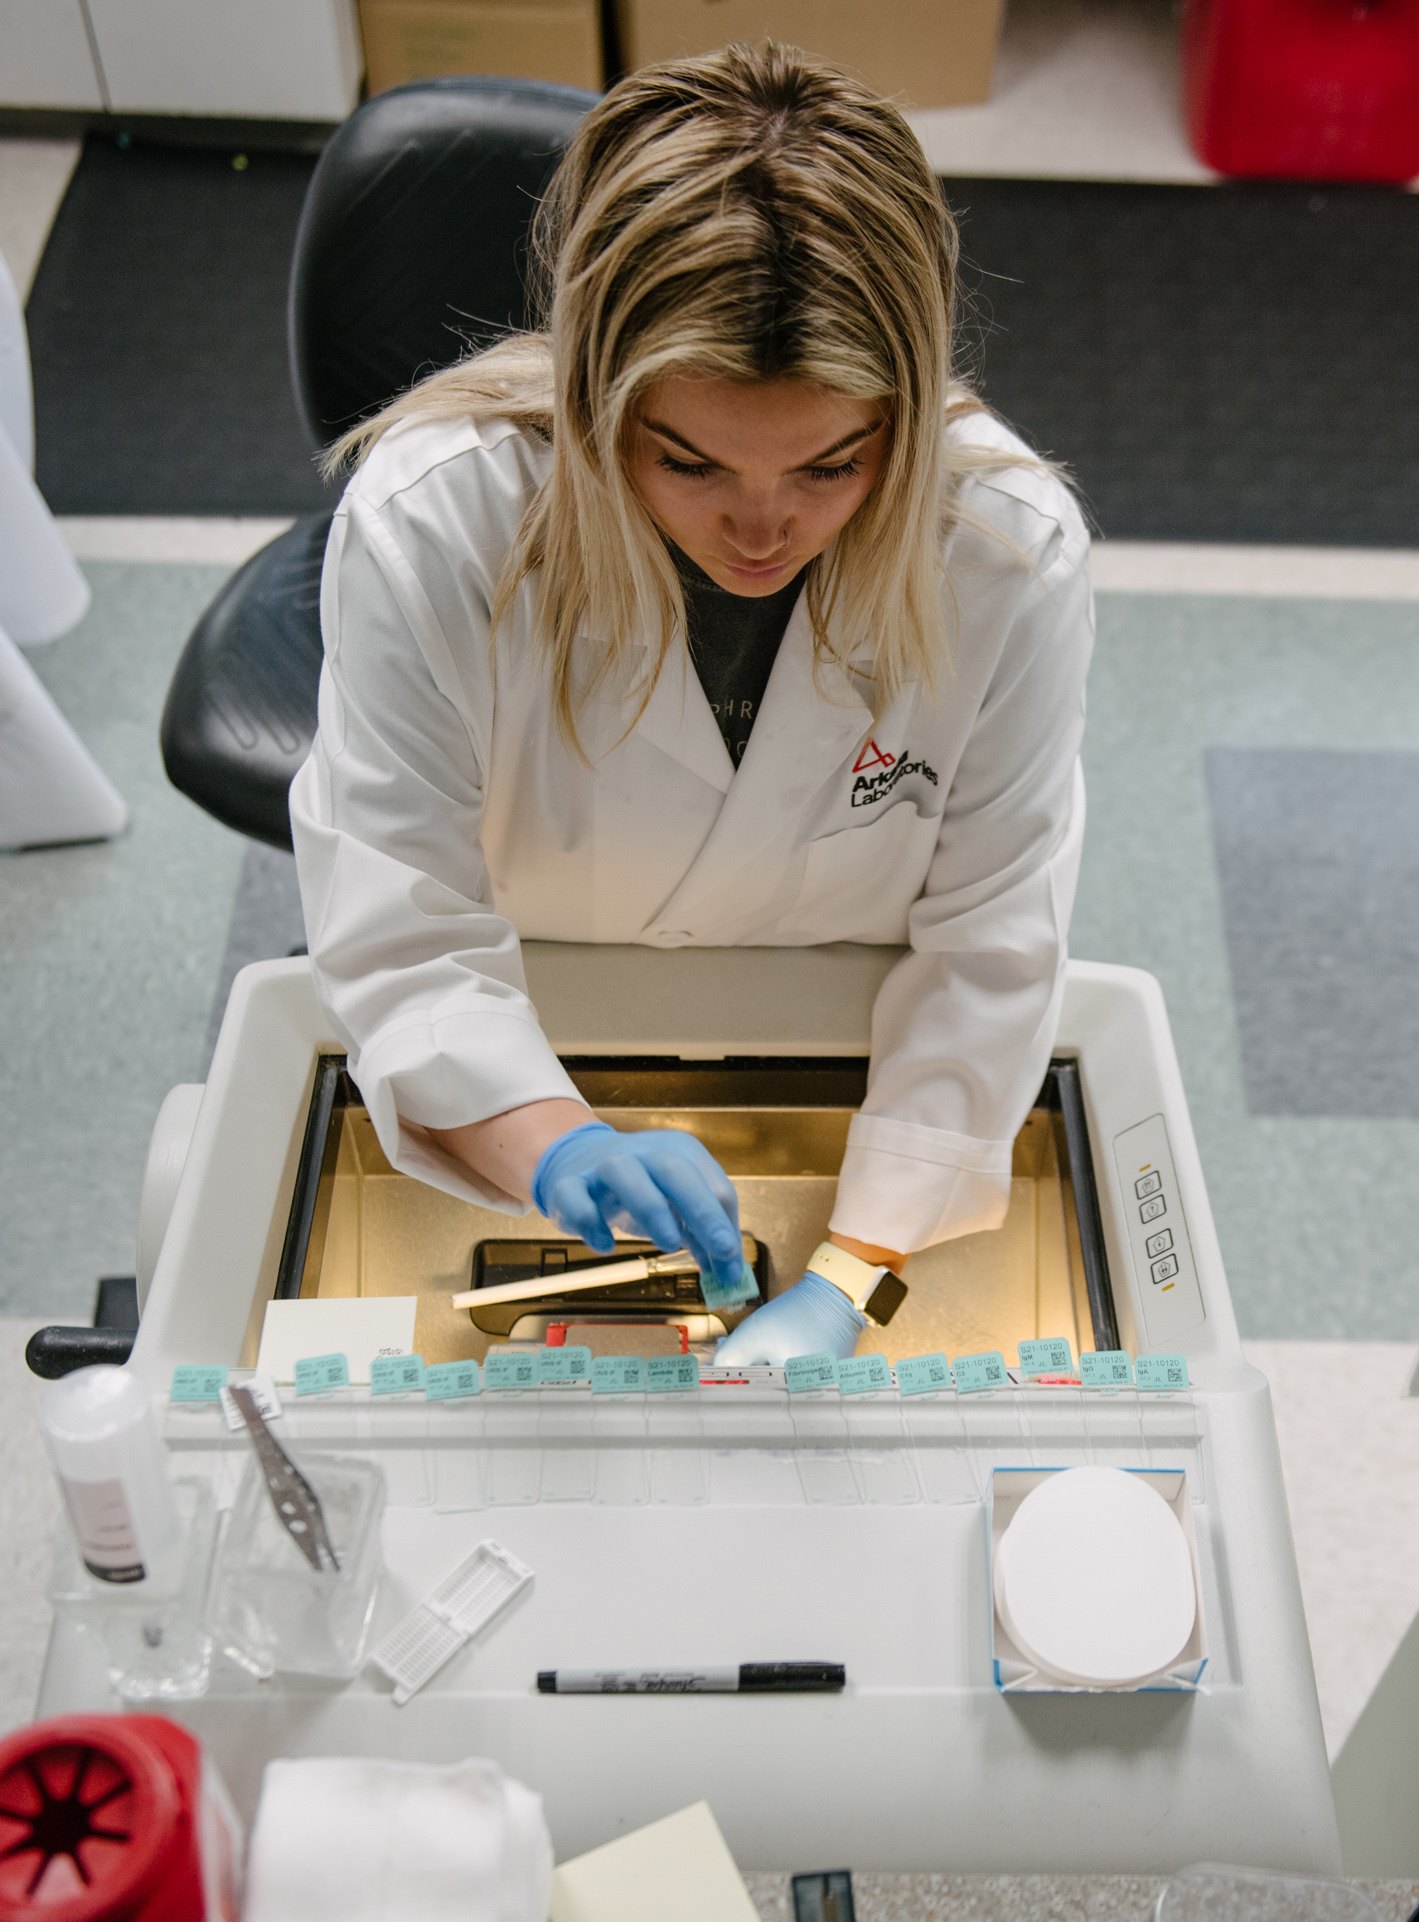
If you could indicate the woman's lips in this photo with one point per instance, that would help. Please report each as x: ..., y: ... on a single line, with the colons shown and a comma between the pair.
x: 755, y: 573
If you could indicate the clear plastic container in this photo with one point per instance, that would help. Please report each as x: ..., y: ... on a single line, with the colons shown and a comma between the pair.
x: 275, y: 1614
x: 154, y: 1632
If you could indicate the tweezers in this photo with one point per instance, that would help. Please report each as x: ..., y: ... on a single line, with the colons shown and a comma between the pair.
x: 296, y: 1503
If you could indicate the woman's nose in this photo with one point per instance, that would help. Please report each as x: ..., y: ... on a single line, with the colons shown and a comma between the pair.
x: 758, y: 535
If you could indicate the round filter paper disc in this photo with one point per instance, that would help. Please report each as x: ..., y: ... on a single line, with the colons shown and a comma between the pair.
x: 1094, y: 1579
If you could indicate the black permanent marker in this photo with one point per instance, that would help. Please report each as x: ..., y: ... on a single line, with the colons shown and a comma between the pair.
x: 744, y: 1678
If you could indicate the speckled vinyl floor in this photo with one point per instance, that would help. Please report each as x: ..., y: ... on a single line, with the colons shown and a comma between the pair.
x: 108, y: 957
x: 1244, y: 760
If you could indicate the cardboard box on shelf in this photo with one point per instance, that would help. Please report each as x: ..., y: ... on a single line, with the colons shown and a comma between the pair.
x: 526, y: 39
x: 924, y: 53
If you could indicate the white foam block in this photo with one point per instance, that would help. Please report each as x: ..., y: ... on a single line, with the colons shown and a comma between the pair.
x: 679, y: 1867
x: 1094, y: 1579
x: 359, y: 1329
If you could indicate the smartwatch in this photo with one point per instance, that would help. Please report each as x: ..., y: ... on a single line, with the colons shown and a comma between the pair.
x: 875, y: 1292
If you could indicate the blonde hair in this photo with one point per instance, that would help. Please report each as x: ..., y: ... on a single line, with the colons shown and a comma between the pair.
x: 749, y: 215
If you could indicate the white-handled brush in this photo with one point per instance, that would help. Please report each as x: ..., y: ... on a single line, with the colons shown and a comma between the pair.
x: 610, y: 1274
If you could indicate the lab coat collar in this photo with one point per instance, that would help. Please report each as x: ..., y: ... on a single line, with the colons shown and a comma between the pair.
x: 807, y: 720
x: 812, y: 713
x: 807, y: 725
x: 678, y: 719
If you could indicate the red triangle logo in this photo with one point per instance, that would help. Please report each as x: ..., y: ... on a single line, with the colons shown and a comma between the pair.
x: 872, y: 756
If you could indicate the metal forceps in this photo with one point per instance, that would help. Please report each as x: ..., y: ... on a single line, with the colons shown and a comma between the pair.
x: 296, y: 1503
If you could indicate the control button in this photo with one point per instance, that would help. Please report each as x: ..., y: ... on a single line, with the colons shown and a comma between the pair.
x: 1151, y: 1210
x: 1148, y: 1185
x: 1159, y: 1244
x: 1165, y: 1269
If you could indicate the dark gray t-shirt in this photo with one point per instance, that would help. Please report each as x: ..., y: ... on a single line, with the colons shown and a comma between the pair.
x: 733, y: 641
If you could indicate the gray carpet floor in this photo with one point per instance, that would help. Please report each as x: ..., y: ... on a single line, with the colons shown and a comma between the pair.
x: 109, y: 957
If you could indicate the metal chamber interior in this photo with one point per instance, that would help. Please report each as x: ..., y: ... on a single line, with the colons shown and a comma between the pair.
x: 779, y: 1130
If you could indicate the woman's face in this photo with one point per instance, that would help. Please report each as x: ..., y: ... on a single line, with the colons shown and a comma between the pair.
x: 751, y: 480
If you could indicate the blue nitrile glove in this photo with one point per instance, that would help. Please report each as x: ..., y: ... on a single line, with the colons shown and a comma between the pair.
x: 810, y: 1318
x: 659, y: 1183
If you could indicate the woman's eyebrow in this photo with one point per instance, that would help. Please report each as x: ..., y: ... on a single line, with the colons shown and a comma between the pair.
x: 838, y: 446
x: 841, y: 446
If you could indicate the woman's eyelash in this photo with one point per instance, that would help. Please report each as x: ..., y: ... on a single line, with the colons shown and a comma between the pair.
x: 844, y: 471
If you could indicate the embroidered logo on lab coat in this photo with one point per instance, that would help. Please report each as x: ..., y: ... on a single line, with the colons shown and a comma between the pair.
x: 867, y: 789
x: 872, y: 756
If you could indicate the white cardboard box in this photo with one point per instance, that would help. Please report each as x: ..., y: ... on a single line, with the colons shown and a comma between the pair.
x: 246, y: 59
x: 45, y: 56
x: 1014, y: 1673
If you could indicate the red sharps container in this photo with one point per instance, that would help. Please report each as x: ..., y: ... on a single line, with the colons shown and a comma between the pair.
x: 114, y: 1818
x: 1304, y: 89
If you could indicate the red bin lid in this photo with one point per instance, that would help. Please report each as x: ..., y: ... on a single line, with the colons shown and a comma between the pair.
x: 90, y: 1811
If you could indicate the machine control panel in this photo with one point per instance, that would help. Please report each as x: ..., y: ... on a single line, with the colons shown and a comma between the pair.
x: 1169, y: 1295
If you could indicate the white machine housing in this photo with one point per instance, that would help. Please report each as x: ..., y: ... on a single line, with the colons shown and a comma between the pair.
x: 922, y: 1763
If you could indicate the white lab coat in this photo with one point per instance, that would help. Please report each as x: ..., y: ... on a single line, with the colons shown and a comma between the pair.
x: 440, y: 816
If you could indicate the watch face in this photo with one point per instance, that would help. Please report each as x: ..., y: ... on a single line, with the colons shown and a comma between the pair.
x: 886, y: 1298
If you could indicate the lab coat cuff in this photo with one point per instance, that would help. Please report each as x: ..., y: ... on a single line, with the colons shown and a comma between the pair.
x: 908, y: 1187
x: 446, y: 1071
x: 915, y: 1142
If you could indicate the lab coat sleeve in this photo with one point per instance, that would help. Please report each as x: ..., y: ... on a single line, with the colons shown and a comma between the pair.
x: 963, y: 1025
x: 421, y: 979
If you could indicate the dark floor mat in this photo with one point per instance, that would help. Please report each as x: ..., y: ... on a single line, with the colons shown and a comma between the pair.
x: 1215, y: 363
x: 1230, y: 363
x: 158, y: 334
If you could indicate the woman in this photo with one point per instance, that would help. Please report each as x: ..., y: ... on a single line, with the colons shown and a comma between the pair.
x: 714, y: 614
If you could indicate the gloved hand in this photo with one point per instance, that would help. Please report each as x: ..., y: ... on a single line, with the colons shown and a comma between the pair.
x: 810, y: 1318
x: 659, y: 1183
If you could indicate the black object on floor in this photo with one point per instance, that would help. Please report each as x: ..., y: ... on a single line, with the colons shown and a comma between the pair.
x: 58, y: 1350
x: 157, y: 329
x: 116, y: 1305
x: 52, y: 1352
x: 1231, y: 363
x: 823, y: 1898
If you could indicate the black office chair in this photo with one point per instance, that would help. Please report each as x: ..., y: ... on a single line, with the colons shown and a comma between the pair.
x: 412, y: 249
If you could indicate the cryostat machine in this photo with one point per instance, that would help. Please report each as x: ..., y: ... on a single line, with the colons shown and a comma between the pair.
x: 899, y: 1521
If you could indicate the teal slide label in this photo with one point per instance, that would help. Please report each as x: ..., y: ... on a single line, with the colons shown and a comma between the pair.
x: 452, y: 1381
x: 198, y: 1381
x: 618, y: 1375
x: 563, y: 1364
x: 1162, y: 1372
x: 807, y: 1372
x: 1108, y: 1368
x: 864, y: 1375
x: 320, y: 1374
x: 510, y: 1370
x: 923, y: 1375
x: 397, y: 1375
x: 1048, y: 1357
x: 976, y: 1373
x: 719, y: 1294
x: 672, y: 1374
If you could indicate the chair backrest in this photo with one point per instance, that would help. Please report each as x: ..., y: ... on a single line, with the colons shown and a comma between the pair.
x: 413, y: 242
